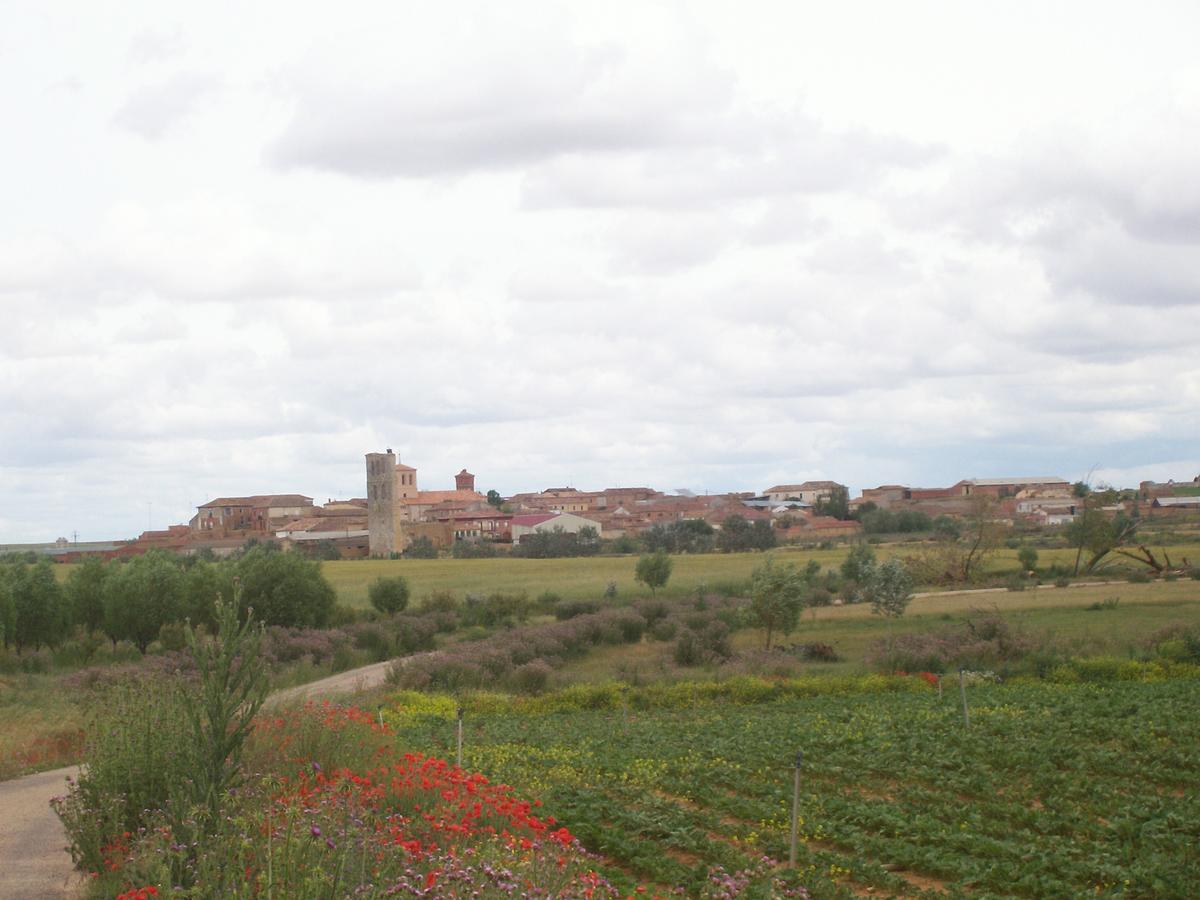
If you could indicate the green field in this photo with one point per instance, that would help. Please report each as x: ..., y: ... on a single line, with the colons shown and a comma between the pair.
x: 1055, y: 790
x: 1061, y: 615
x: 587, y: 577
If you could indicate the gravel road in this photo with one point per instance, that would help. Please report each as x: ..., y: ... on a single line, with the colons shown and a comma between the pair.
x: 34, y: 862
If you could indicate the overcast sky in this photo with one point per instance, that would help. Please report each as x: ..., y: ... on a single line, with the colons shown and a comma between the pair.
x: 702, y: 246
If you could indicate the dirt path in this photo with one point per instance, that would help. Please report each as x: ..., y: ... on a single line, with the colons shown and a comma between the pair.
x: 350, y: 682
x: 33, y: 858
x: 34, y: 863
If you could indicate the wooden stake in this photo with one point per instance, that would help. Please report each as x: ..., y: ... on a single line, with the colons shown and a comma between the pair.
x: 962, y: 688
x: 795, y: 808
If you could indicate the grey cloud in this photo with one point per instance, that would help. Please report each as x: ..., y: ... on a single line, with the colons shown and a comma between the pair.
x: 152, y: 110
x: 494, y: 109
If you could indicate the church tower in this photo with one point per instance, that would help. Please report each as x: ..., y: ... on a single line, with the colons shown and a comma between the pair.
x: 381, y: 503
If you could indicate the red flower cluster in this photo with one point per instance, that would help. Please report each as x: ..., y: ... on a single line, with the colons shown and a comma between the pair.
x: 420, y: 795
x: 144, y: 893
x: 418, y: 804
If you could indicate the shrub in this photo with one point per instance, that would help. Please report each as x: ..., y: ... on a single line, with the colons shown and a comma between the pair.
x: 440, y: 601
x: 1138, y: 577
x: 687, y: 650
x: 572, y: 608
x: 820, y: 597
x: 1015, y: 582
x: 664, y: 630
x: 817, y: 652
x: 420, y: 548
x: 531, y: 678
x: 389, y: 595
x: 474, y: 550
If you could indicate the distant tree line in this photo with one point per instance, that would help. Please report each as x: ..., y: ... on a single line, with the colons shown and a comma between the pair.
x: 132, y: 600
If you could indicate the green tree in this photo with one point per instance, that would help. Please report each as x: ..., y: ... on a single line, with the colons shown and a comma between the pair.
x: 653, y: 570
x: 285, y: 589
x: 8, y: 609
x: 141, y: 596
x: 494, y: 498
x: 890, y: 589
x: 946, y: 528
x: 85, y: 593
x: 42, y: 616
x: 389, y: 595
x: 1098, y: 535
x: 203, y: 583
x: 777, y: 594
x: 1028, y: 558
x: 837, y: 504
x: 859, y: 563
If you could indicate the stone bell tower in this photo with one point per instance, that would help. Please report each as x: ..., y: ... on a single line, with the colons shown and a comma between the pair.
x: 381, y: 503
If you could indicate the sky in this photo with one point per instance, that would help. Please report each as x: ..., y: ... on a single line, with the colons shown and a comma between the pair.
x: 702, y: 246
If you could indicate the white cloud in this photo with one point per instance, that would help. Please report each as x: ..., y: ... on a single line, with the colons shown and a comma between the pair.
x: 667, y: 244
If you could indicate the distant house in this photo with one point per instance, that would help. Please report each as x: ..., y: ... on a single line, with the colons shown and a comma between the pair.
x: 534, y: 523
x: 559, y: 499
x: 1177, y: 503
x: 1010, y: 487
x: 810, y: 492
x: 248, y: 515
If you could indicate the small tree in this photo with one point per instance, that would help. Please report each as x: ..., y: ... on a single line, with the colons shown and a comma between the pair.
x: 1028, y: 557
x: 653, y: 570
x: 859, y: 564
x: 285, y: 588
x: 85, y: 592
x: 890, y: 589
x: 777, y: 596
x: 142, y: 596
x: 389, y: 595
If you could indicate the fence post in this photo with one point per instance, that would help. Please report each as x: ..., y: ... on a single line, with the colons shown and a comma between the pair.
x: 962, y: 689
x: 939, y: 686
x: 460, y: 718
x: 795, y: 808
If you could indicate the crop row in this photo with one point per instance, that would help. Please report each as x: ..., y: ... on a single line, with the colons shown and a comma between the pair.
x: 1053, y: 790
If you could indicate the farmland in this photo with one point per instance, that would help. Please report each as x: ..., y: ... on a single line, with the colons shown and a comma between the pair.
x: 1055, y: 789
x: 587, y: 577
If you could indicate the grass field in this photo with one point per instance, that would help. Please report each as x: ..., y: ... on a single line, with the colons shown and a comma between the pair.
x: 1061, y: 614
x: 587, y: 577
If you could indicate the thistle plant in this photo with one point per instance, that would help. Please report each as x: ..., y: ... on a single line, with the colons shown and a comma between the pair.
x: 231, y: 686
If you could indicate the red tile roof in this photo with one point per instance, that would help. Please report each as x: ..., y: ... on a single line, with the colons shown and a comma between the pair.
x: 260, y: 500
x: 534, y: 519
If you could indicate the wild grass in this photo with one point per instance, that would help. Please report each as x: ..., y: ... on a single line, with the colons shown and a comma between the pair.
x: 40, y: 726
